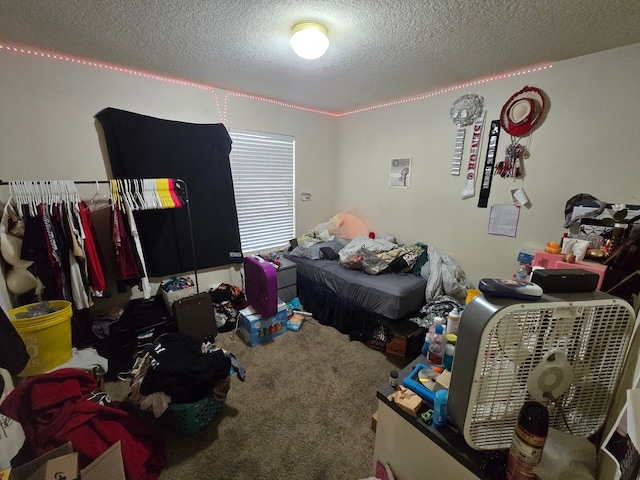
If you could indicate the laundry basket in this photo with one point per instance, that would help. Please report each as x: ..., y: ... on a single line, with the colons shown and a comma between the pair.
x: 47, y: 337
x: 189, y: 418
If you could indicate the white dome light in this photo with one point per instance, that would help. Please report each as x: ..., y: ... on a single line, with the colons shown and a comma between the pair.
x: 309, y: 40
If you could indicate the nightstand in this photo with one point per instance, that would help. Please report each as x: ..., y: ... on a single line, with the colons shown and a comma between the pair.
x: 287, y: 288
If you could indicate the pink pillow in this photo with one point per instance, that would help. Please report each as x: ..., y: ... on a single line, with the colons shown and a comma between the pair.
x: 349, y: 226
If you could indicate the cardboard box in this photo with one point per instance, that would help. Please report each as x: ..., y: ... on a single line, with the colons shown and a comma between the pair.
x: 62, y: 462
x: 407, y: 400
x: 254, y: 329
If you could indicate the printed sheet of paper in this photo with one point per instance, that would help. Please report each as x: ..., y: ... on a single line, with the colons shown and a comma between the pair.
x: 400, y: 174
x: 503, y: 220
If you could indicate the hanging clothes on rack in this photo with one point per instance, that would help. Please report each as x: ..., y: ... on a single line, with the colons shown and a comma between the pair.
x: 130, y: 196
x: 58, y: 243
x: 127, y: 261
x: 78, y: 272
x: 59, y: 239
x: 133, y: 195
x: 96, y: 271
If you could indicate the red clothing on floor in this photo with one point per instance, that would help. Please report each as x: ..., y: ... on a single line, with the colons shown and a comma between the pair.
x: 53, y: 409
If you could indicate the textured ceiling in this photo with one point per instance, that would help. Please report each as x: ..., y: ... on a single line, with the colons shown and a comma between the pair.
x: 380, y: 50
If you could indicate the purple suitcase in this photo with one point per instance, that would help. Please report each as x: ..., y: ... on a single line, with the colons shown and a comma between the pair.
x: 261, y: 286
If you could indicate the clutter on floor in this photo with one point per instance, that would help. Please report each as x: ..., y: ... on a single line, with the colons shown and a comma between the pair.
x: 164, y: 347
x: 181, y: 377
x: 255, y: 329
x: 53, y: 409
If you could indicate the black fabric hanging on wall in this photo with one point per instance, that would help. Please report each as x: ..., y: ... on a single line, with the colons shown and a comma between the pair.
x: 146, y: 147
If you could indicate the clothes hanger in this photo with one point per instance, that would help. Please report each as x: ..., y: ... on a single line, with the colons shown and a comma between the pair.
x: 14, y: 195
x: 167, y: 199
x: 32, y: 196
x: 45, y: 192
x: 139, y: 192
x: 116, y: 194
x: 125, y: 191
x: 153, y: 188
x: 160, y: 186
x: 99, y: 197
x: 147, y: 194
x: 133, y: 193
x: 57, y: 193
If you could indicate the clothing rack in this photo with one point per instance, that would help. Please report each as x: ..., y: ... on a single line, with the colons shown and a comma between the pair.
x: 181, y: 185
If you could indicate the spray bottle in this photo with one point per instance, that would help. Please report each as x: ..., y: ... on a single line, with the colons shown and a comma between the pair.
x: 436, y: 346
x: 528, y: 441
x: 430, y: 332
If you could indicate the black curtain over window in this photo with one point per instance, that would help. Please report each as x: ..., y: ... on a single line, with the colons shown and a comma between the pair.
x: 140, y: 146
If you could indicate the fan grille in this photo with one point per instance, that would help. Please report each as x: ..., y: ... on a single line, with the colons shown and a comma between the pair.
x: 594, y: 338
x: 555, y: 374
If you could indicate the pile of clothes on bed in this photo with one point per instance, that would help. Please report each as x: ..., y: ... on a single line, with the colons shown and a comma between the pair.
x: 347, y: 239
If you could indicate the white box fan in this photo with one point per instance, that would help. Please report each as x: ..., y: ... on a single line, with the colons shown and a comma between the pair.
x: 565, y: 351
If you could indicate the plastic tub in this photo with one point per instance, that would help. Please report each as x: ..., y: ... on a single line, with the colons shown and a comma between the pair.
x: 47, y: 337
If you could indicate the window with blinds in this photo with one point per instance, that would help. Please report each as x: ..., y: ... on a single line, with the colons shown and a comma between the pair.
x: 263, y: 169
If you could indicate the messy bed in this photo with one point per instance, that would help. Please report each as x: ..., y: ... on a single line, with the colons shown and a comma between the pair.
x: 352, y: 279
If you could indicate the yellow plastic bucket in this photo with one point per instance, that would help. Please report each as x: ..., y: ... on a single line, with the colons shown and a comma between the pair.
x: 47, y: 337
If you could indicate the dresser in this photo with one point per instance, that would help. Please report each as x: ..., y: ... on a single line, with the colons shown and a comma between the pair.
x: 286, y: 275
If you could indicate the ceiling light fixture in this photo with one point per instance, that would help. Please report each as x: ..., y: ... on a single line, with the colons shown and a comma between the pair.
x: 309, y: 40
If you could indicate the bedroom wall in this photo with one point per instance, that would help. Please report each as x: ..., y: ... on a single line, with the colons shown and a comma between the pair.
x: 48, y: 132
x: 587, y: 144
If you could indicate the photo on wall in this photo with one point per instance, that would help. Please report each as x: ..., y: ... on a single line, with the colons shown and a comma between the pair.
x: 400, y: 174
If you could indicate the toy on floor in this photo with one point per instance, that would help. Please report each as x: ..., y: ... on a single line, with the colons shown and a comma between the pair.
x: 295, y: 322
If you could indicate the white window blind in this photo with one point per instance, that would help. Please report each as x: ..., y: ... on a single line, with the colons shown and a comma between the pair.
x: 263, y: 169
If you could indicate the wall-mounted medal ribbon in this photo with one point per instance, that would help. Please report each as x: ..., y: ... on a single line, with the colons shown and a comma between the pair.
x: 487, y: 173
x: 470, y: 182
x: 464, y: 112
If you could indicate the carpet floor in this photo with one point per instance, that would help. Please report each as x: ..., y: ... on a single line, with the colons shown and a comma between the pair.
x: 303, y: 412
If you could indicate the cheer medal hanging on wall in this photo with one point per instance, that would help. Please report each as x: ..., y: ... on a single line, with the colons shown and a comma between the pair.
x: 464, y: 112
x: 469, y: 189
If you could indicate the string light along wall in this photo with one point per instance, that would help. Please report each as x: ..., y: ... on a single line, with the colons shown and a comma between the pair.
x: 222, y: 114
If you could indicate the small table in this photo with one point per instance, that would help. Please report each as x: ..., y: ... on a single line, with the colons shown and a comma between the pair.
x: 414, y: 449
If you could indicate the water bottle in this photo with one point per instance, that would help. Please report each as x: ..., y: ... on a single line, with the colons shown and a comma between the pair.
x: 436, y: 346
x: 522, y: 274
x: 425, y: 346
x: 430, y: 331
